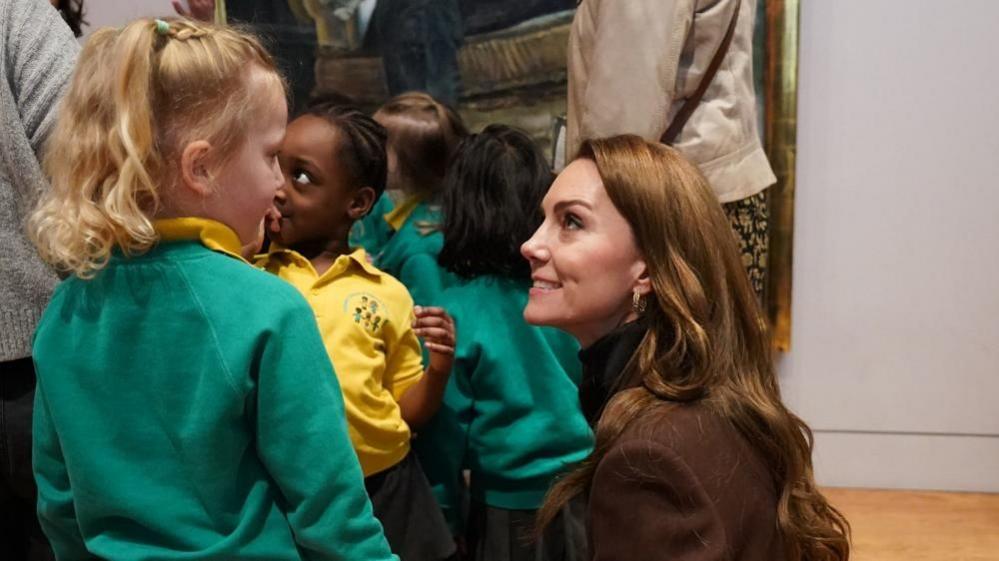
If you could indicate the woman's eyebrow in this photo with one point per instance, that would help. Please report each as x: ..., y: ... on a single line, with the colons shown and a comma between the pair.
x: 563, y: 204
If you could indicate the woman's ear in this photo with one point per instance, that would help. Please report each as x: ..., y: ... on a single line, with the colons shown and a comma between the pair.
x: 194, y: 168
x: 361, y: 203
x: 643, y: 285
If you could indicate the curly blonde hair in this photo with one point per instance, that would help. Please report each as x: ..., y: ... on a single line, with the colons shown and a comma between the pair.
x: 138, y: 96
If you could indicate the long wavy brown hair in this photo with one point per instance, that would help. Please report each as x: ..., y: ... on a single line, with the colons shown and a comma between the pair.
x: 707, y: 339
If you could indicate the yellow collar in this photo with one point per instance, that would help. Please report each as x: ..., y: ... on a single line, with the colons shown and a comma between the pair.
x: 361, y: 258
x: 401, y: 213
x: 358, y: 256
x: 213, y: 235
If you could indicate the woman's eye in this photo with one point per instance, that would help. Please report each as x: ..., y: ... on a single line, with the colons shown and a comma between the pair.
x: 301, y: 178
x: 571, y: 222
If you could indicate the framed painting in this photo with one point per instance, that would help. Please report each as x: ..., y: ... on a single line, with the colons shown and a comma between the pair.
x: 511, y: 66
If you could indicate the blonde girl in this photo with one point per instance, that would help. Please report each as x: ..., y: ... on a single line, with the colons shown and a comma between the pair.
x: 185, y: 406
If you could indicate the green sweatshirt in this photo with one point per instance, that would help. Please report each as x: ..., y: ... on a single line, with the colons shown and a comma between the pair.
x: 372, y: 232
x: 511, y: 411
x: 410, y: 255
x: 186, y: 409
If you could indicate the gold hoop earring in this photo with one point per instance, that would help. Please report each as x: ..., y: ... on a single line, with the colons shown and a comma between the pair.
x: 638, y: 302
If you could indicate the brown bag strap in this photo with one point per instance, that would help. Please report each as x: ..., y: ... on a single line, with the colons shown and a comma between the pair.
x: 695, y: 99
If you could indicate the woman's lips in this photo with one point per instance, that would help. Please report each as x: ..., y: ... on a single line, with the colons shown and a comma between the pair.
x: 541, y: 286
x: 545, y: 285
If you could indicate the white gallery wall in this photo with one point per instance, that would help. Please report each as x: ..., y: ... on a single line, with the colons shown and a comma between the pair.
x: 895, y: 350
x: 100, y: 13
x: 895, y: 357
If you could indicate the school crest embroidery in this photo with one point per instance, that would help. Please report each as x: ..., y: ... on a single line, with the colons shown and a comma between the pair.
x: 366, y: 311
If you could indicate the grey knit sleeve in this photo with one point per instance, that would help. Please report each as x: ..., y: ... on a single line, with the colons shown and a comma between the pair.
x: 40, y: 53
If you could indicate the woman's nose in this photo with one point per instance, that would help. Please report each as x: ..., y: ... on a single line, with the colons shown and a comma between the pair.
x: 532, y: 249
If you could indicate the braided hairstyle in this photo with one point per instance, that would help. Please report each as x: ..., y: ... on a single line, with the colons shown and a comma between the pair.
x: 138, y: 96
x: 362, y: 148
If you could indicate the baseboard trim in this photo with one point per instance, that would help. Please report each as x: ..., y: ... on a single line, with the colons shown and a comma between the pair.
x: 944, y: 462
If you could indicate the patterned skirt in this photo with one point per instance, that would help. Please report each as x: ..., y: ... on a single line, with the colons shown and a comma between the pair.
x: 750, y: 219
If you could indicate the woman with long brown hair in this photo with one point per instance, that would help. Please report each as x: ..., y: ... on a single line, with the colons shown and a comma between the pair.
x: 696, y: 457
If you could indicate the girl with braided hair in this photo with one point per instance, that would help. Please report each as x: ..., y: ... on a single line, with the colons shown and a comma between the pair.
x: 335, y: 166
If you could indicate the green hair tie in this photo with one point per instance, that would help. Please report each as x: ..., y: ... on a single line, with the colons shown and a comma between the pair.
x: 162, y: 27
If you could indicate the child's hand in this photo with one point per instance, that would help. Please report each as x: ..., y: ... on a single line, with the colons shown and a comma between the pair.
x: 203, y: 10
x: 421, y: 401
x: 436, y: 328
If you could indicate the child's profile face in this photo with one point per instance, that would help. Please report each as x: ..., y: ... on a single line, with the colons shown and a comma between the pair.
x: 316, y: 197
x: 248, y: 181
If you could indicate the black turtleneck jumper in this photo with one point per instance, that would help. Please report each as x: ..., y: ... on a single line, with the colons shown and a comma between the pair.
x: 603, y: 365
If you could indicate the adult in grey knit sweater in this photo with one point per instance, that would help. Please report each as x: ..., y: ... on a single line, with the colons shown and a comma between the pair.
x: 37, y: 54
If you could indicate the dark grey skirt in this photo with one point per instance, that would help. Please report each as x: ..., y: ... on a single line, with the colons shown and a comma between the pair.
x: 413, y: 523
x: 496, y: 534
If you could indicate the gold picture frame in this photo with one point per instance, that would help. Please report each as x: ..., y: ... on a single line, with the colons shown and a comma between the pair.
x: 780, y: 109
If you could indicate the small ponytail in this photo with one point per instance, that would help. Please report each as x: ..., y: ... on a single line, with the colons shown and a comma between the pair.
x: 139, y: 95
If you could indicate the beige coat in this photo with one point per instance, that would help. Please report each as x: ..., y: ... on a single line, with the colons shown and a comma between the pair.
x: 633, y: 62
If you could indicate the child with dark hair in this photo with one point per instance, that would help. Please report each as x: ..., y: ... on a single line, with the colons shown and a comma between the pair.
x: 403, y: 232
x: 511, y: 413
x: 72, y: 12
x: 334, y: 165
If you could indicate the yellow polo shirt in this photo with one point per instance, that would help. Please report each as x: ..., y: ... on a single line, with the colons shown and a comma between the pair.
x: 365, y: 317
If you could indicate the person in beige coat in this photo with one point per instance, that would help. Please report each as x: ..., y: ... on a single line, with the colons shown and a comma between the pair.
x: 633, y: 63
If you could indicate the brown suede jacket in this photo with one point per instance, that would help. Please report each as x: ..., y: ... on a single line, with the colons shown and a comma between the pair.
x: 682, y: 484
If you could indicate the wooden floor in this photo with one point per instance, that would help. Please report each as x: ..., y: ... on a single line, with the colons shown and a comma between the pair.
x: 920, y: 526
